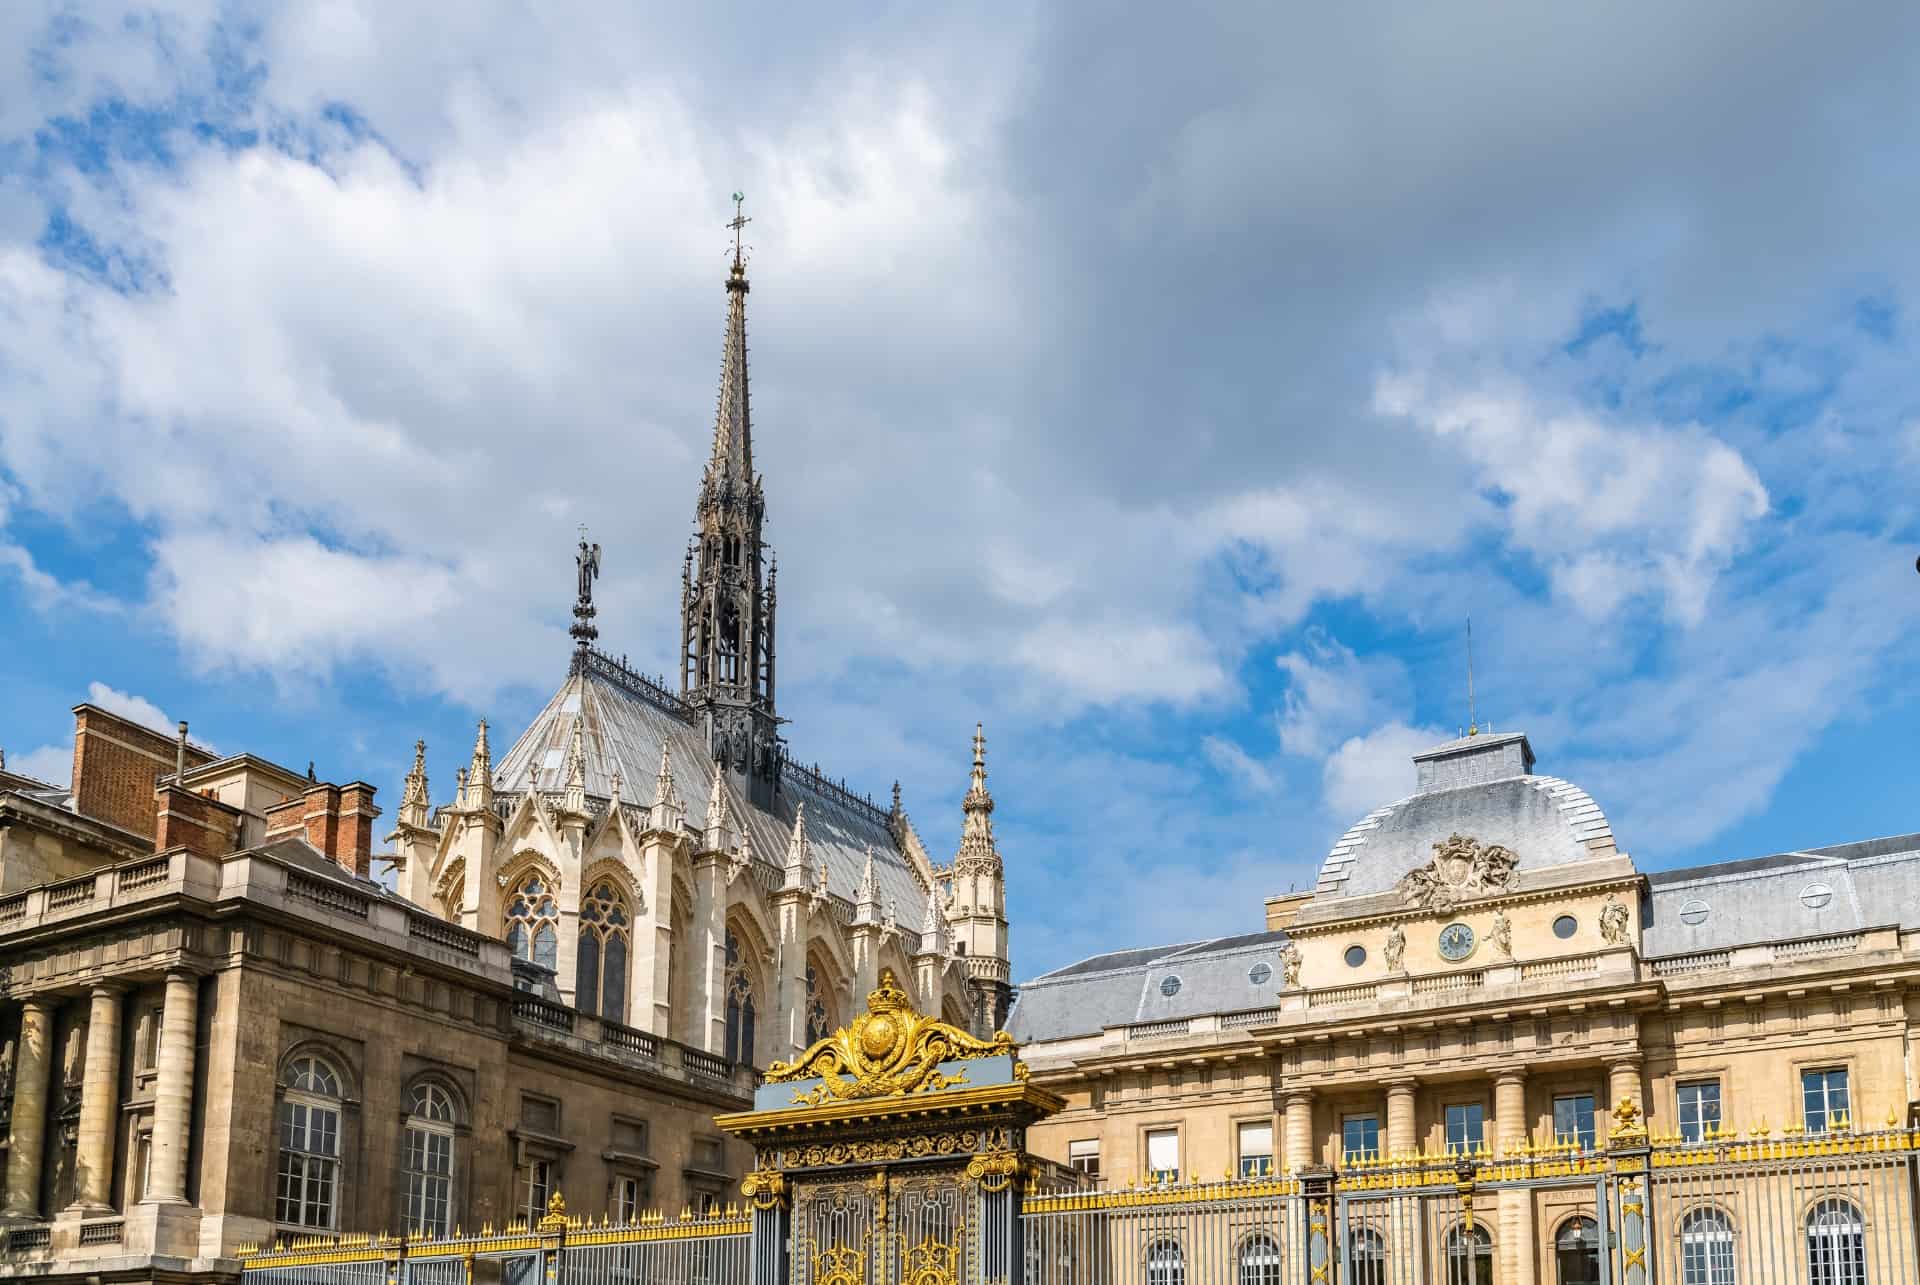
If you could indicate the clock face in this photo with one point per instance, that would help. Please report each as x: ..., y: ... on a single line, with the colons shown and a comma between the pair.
x: 1456, y: 942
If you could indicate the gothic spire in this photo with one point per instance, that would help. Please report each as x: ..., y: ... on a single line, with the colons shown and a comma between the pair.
x: 414, y: 805
x: 866, y: 908
x: 717, y: 813
x: 733, y: 424
x: 479, y: 785
x: 663, y: 787
x: 576, y: 781
x: 798, y: 850
x: 933, y: 925
x: 976, y: 830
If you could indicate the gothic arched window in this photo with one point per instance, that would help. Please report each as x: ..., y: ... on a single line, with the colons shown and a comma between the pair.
x: 533, y: 922
x: 739, y: 1003
x: 430, y: 1160
x: 309, y: 1178
x: 819, y: 1026
x: 600, y: 980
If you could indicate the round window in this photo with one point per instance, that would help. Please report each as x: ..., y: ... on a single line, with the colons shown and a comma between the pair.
x: 1356, y: 956
x: 1693, y: 912
x: 1261, y: 973
x: 1565, y: 926
x: 1170, y: 986
x: 1815, y: 895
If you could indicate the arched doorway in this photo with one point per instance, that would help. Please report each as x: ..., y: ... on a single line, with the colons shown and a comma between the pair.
x: 1576, y: 1252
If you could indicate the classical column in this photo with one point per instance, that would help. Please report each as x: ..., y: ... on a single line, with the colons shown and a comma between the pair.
x: 1402, y: 1133
x: 28, y: 1139
x: 173, y: 1091
x: 1300, y: 1148
x: 1510, y: 1123
x: 1518, y: 1253
x: 1623, y: 1082
x: 99, y: 1102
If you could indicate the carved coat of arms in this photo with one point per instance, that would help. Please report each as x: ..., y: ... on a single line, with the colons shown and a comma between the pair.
x: 1462, y: 867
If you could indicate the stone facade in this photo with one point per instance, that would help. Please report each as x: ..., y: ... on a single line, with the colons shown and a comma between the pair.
x: 1492, y: 1003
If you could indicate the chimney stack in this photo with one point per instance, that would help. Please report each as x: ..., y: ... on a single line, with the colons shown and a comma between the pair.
x: 180, y: 752
x: 335, y: 819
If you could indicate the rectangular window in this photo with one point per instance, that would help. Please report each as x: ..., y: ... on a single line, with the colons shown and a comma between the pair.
x: 1824, y: 1094
x: 539, y: 1190
x: 540, y: 1113
x: 1084, y: 1155
x: 1466, y: 1127
x: 429, y: 1180
x: 1163, y: 1155
x: 309, y: 1149
x: 1360, y: 1137
x: 629, y: 1135
x: 1699, y: 1109
x: 1573, y: 1120
x: 1256, y: 1149
x: 628, y: 1200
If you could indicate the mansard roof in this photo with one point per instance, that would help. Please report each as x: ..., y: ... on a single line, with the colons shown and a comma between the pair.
x: 1129, y: 986
x: 626, y: 719
x: 1842, y: 888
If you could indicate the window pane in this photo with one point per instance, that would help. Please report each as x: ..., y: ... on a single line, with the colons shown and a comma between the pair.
x: 546, y: 947
x: 1163, y: 1153
x: 1360, y: 1137
x: 586, y: 976
x: 1699, y: 1109
x: 613, y: 988
x: 1573, y: 1119
x: 1466, y: 1126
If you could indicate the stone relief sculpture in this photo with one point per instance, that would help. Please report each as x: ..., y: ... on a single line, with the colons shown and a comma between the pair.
x: 1462, y: 867
x: 1396, y: 949
x: 1501, y: 934
x: 1290, y: 965
x: 1613, y: 922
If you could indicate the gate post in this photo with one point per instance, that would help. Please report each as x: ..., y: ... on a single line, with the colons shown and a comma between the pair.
x: 766, y: 1192
x: 1316, y: 1184
x: 1627, y: 1155
x: 553, y: 1238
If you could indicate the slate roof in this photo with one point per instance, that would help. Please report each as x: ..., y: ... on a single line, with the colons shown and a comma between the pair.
x: 1870, y: 884
x: 1128, y: 986
x: 624, y: 725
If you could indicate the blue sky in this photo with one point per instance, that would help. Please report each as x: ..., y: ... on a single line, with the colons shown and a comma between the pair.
x: 1165, y: 390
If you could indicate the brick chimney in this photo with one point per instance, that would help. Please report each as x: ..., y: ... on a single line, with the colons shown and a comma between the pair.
x: 115, y: 765
x: 204, y: 826
x: 336, y: 819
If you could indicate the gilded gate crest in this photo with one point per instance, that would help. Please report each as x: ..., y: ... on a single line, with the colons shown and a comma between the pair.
x: 888, y: 1051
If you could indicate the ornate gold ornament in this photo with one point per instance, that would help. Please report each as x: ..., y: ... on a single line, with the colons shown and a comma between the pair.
x: 1462, y: 867
x: 766, y: 1188
x: 1626, y: 1121
x: 995, y: 1170
x: 839, y: 1265
x: 932, y: 1262
x: 556, y: 1215
x: 889, y: 1051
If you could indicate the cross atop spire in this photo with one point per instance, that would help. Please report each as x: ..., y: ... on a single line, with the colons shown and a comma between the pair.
x: 740, y: 221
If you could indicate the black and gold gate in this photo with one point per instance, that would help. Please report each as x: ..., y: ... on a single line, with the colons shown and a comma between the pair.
x: 891, y: 1153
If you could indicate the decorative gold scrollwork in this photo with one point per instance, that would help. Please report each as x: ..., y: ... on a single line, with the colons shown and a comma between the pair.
x: 839, y: 1265
x: 555, y: 1218
x: 889, y: 1051
x: 932, y: 1262
x: 765, y: 1188
x: 994, y: 1171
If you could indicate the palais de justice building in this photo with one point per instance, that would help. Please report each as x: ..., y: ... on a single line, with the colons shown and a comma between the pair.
x: 220, y: 1029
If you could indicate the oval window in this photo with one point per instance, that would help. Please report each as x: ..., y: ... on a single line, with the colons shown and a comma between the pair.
x: 1565, y: 926
x: 1170, y: 986
x: 1356, y: 956
x: 1815, y: 895
x: 1261, y: 973
x: 1693, y: 912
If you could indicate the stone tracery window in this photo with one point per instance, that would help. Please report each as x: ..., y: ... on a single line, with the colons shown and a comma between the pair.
x: 739, y: 1003
x: 819, y: 1025
x: 430, y: 1120
x: 309, y: 1188
x: 533, y: 922
x: 600, y: 980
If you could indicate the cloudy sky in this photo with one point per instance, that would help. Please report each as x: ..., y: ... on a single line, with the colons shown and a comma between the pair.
x: 1165, y: 386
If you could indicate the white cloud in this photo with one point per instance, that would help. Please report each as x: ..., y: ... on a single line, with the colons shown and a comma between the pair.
x: 135, y: 709
x: 1374, y: 769
x: 1331, y: 693
x: 1243, y: 769
x: 50, y: 763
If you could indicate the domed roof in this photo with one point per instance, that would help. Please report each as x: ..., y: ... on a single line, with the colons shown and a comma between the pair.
x: 1481, y: 787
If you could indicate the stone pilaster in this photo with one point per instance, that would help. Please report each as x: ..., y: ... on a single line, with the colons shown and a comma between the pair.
x: 99, y: 1103
x: 708, y: 951
x: 1301, y: 1151
x: 27, y: 1142
x: 173, y: 1090
x: 1518, y: 1254
x: 1403, y: 1134
x: 1623, y: 1082
x: 1510, y: 1123
x: 652, y: 1003
x: 795, y: 914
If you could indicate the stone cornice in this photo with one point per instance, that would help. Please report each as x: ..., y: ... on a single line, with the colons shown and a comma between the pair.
x: 1380, y: 908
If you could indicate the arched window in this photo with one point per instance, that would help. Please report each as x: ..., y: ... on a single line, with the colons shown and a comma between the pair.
x: 1366, y: 1257
x: 739, y: 1003
x: 1166, y: 1265
x: 533, y: 922
x: 818, y: 1025
x: 1576, y: 1252
x: 1836, y: 1244
x: 600, y: 981
x: 309, y: 1186
x: 1706, y: 1249
x: 1469, y: 1257
x: 1259, y: 1260
x: 430, y: 1160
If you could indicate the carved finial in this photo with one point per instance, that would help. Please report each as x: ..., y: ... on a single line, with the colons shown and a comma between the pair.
x: 896, y: 800
x: 798, y: 850
x: 615, y: 782
x: 413, y: 792
x: 867, y: 906
x: 933, y: 926
x: 576, y: 774
x: 587, y: 565
x: 664, y: 790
